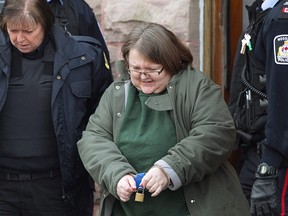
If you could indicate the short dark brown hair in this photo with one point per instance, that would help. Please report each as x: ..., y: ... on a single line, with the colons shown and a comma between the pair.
x: 160, y: 45
x: 35, y: 11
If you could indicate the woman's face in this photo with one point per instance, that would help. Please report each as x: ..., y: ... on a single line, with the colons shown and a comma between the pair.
x: 146, y: 75
x: 26, y: 37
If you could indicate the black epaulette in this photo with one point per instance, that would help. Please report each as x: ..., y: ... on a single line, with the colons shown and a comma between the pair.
x: 283, y: 13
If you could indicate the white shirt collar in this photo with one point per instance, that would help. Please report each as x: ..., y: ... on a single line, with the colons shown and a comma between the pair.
x: 59, y: 1
x: 268, y: 4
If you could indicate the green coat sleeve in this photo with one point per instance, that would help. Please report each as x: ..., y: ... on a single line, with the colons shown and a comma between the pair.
x: 205, y: 128
x: 97, y: 149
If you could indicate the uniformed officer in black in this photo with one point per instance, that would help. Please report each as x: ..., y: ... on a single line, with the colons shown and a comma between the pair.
x: 49, y: 86
x: 250, y: 112
x: 269, y: 192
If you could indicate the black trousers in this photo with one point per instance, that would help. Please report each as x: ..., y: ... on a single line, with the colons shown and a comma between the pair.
x: 247, y: 172
x: 41, y: 197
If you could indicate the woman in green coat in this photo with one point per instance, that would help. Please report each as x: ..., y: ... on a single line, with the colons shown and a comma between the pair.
x: 165, y: 120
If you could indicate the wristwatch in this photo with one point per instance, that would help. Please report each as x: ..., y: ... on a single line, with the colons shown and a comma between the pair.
x: 265, y: 170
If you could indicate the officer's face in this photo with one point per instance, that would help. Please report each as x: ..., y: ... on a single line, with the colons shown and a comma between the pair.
x: 25, y: 36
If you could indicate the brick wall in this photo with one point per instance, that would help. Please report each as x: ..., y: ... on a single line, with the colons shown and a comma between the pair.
x: 117, y: 18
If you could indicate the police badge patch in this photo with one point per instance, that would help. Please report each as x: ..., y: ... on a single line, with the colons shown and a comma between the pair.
x: 284, y: 11
x: 281, y: 49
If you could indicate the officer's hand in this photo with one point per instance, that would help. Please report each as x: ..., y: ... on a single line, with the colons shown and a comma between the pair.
x: 125, y: 187
x: 155, y: 181
x: 264, y: 199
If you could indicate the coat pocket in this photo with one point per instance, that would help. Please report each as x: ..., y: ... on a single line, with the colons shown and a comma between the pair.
x: 81, y: 89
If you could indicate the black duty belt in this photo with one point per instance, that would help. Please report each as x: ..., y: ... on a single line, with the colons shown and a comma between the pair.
x: 29, y: 175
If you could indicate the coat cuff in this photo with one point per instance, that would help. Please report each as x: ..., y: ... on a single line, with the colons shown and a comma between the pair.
x: 175, y: 180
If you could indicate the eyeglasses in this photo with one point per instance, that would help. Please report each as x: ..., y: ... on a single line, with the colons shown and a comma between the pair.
x: 150, y: 73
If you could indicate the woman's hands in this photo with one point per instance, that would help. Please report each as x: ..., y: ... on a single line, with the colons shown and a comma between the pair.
x: 125, y: 187
x: 155, y: 181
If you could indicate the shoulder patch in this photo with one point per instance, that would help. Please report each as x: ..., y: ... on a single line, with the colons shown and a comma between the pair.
x: 283, y: 14
x: 280, y: 45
